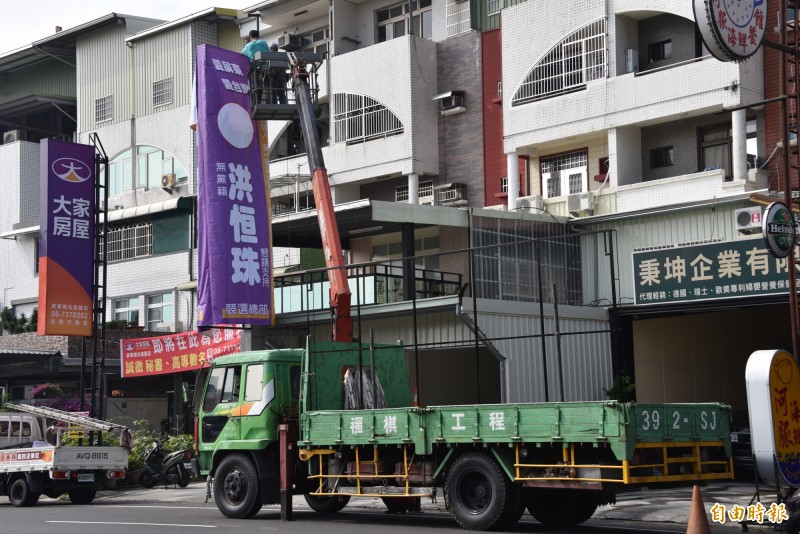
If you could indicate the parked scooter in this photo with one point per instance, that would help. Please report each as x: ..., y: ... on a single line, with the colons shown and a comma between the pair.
x: 168, y: 469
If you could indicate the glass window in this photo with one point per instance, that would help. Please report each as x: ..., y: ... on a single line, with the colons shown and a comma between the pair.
x: 254, y: 383
x: 154, y: 169
x: 104, y: 109
x: 564, y: 174
x: 715, y: 147
x: 659, y: 51
x: 214, y: 389
x: 162, y: 92
x: 580, y: 58
x: 393, y: 21
x: 160, y: 309
x: 127, y: 310
x: 492, y: 7
x: 151, y: 164
x: 661, y: 157
x: 230, y: 388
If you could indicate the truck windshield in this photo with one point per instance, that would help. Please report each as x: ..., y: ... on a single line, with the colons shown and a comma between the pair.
x: 223, y: 386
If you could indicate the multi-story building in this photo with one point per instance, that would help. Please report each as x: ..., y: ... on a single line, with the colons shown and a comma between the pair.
x: 613, y: 119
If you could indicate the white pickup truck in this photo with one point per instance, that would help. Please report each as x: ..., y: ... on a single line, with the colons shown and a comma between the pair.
x: 33, y: 460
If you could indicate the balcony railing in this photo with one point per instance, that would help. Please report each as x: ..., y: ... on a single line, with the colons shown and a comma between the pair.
x: 370, y: 284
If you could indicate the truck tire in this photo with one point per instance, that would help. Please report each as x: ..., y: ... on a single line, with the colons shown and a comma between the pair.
x: 20, y: 493
x: 236, y: 488
x: 81, y: 496
x: 479, y: 494
x: 515, y: 509
x: 562, y: 508
x: 146, y: 479
x: 327, y: 505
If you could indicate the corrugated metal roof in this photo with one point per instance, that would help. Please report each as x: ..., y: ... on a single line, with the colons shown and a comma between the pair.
x: 210, y: 13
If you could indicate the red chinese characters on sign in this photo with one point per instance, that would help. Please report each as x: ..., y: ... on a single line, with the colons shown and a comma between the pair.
x: 26, y: 456
x: 175, y: 353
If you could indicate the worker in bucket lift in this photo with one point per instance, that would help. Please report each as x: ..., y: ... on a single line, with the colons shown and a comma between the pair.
x: 256, y: 44
x: 278, y: 78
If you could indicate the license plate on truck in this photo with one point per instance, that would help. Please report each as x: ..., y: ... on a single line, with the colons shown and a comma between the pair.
x: 85, y: 477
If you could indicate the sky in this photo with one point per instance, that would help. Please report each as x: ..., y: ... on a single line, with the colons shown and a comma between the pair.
x: 25, y: 22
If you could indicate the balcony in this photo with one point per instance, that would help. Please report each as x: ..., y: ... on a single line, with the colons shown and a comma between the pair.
x: 378, y: 129
x: 693, y: 187
x: 371, y: 284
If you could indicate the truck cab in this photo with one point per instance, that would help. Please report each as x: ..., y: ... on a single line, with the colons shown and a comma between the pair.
x: 245, y: 398
x: 18, y: 429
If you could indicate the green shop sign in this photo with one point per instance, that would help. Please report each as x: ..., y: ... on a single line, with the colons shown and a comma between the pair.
x: 732, y: 269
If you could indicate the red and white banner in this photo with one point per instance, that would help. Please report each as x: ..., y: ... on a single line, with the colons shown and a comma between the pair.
x: 175, y: 353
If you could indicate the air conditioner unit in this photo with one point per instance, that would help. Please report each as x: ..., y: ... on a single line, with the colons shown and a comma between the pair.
x: 175, y: 326
x: 631, y: 60
x: 452, y: 194
x: 168, y: 182
x: 579, y: 202
x: 290, y: 43
x: 12, y: 136
x: 748, y: 220
x: 535, y: 202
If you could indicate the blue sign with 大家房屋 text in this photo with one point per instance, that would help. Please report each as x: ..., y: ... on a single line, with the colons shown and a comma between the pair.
x: 729, y: 269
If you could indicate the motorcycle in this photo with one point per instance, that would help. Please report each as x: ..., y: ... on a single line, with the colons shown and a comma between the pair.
x: 168, y: 468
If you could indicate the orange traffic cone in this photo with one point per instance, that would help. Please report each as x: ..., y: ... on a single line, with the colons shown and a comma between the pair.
x: 698, y: 520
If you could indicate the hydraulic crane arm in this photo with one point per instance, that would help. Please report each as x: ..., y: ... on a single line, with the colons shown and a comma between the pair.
x: 331, y: 243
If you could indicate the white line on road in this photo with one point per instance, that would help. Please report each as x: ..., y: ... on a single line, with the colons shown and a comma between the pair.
x: 138, y: 524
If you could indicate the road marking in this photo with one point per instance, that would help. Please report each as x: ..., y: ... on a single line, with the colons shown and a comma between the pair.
x: 137, y: 524
x: 154, y: 506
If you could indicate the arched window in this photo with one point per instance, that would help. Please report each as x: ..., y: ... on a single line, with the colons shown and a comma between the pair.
x: 152, y: 164
x: 359, y: 118
x: 579, y: 58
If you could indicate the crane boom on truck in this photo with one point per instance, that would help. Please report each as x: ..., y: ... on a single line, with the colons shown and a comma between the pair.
x: 265, y: 89
x: 331, y: 243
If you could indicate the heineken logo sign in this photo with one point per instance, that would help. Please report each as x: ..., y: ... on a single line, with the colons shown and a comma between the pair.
x: 779, y: 229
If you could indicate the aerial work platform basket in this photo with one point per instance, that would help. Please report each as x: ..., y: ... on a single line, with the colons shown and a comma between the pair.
x: 272, y: 95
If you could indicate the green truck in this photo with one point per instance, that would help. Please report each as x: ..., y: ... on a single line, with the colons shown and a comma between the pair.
x: 273, y: 423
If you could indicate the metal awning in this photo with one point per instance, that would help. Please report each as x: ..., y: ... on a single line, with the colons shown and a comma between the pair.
x: 361, y: 218
x: 12, y: 234
x: 29, y: 103
x: 182, y: 202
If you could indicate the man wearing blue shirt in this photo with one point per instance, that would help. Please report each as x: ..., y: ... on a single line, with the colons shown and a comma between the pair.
x: 255, y: 44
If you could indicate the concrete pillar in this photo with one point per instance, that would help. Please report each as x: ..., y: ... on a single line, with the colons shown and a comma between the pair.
x: 739, y: 149
x: 512, y: 172
x: 413, y: 188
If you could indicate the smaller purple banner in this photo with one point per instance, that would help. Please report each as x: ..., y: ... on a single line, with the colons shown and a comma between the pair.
x: 234, y: 246
x: 66, y: 243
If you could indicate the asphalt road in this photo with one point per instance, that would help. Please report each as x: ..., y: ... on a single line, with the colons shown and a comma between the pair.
x: 180, y: 512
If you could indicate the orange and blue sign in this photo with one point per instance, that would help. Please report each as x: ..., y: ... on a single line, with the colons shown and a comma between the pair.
x: 66, y: 238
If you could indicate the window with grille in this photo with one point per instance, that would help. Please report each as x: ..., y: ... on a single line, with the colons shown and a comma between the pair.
x: 504, y: 184
x: 425, y: 190
x: 492, y: 7
x: 359, y: 118
x: 104, y: 109
x: 564, y: 174
x: 568, y: 66
x: 458, y: 17
x: 129, y: 241
x: 162, y: 92
x: 160, y: 309
x: 393, y: 21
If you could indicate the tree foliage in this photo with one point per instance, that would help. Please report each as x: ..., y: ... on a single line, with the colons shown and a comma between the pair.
x: 17, y: 325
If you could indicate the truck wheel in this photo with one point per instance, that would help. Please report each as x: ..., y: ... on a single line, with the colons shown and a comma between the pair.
x: 20, y: 493
x: 236, y: 487
x: 327, y: 505
x: 562, y: 508
x: 146, y: 479
x: 81, y: 496
x: 478, y: 491
x: 514, y: 510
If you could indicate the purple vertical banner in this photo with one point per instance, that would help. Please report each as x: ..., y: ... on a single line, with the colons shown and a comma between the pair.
x: 234, y: 282
x: 66, y: 242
